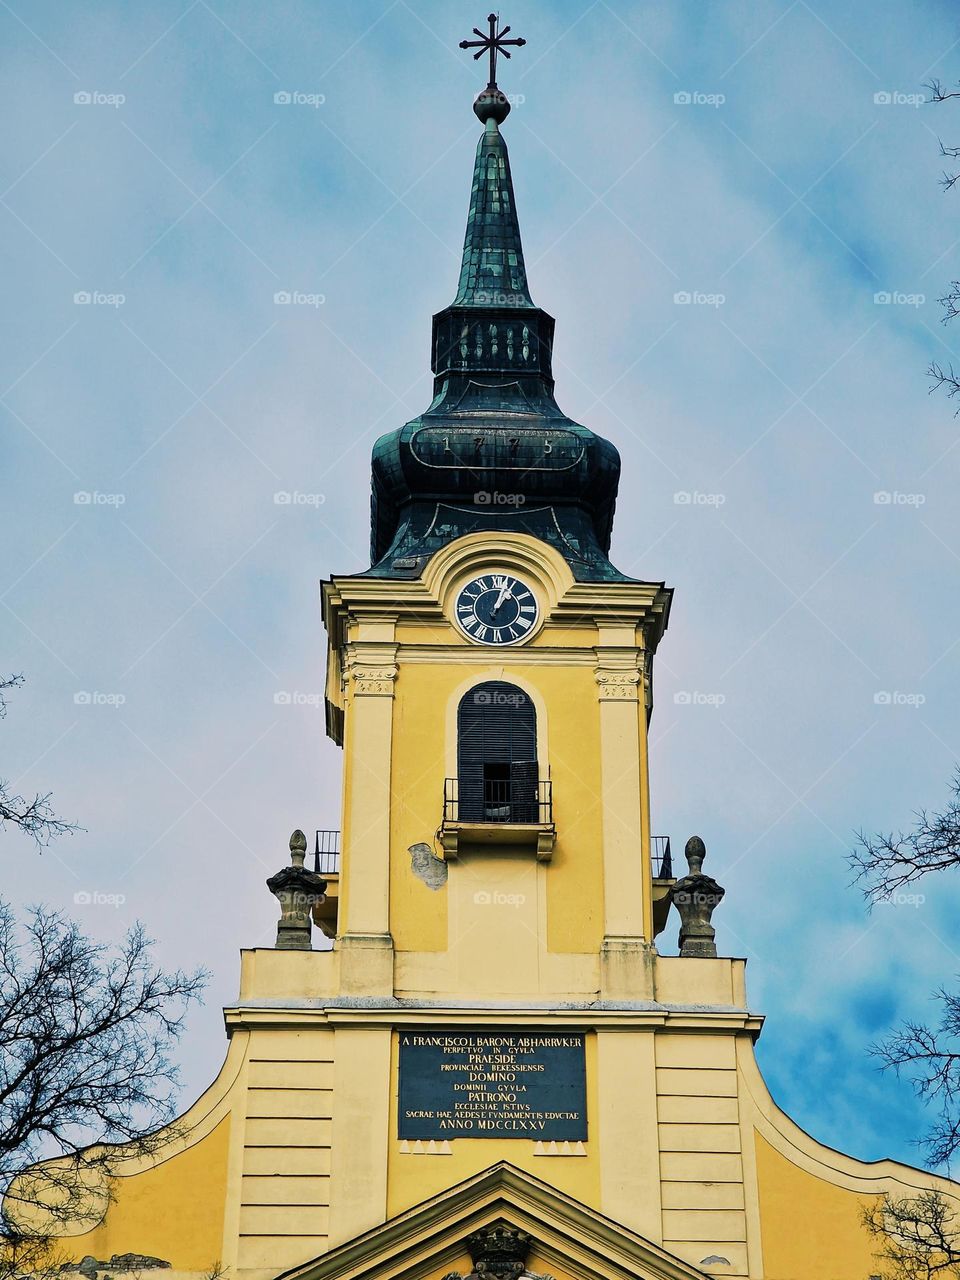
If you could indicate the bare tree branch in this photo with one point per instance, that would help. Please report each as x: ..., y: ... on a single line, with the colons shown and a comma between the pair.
x: 948, y: 179
x: 946, y: 379
x: 930, y: 1058
x: 884, y: 863
x: 938, y: 93
x: 951, y: 304
x: 86, y: 1077
x: 918, y: 1236
x: 35, y: 817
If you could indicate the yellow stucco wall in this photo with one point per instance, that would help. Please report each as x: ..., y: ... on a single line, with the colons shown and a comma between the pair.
x: 685, y: 1146
x: 809, y: 1226
x: 398, y: 670
x: 424, y: 754
x: 172, y: 1211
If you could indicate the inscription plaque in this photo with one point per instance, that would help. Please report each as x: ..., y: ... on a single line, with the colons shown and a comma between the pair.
x: 493, y: 1084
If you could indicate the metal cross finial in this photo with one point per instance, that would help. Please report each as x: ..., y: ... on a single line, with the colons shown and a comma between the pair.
x: 493, y: 44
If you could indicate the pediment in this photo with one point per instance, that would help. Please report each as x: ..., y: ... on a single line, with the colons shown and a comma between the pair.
x: 569, y: 1241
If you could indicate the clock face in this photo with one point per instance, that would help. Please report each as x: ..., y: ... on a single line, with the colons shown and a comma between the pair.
x: 496, y: 608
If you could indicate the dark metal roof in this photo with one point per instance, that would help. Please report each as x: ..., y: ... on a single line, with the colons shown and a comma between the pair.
x: 492, y: 272
x: 493, y: 451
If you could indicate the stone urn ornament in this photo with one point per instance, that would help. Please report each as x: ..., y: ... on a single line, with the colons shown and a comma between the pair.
x: 297, y: 891
x: 696, y: 897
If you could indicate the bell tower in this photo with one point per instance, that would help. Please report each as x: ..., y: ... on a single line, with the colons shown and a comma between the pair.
x: 490, y: 677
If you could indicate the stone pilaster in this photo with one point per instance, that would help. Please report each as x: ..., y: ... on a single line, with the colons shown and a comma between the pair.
x: 625, y: 965
x: 370, y: 675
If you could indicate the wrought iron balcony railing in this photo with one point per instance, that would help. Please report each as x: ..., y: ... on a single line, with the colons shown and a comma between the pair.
x: 661, y: 857
x: 326, y: 857
x: 502, y: 800
x: 326, y: 854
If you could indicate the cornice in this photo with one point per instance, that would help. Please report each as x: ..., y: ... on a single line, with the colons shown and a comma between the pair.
x: 407, y: 1013
x: 589, y: 604
x: 473, y: 655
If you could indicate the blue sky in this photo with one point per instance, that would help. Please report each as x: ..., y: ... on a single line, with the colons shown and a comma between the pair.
x: 807, y: 684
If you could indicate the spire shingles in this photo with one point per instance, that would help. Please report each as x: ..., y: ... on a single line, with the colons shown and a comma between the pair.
x: 492, y: 272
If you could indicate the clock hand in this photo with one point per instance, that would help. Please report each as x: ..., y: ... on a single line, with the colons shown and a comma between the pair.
x: 504, y: 595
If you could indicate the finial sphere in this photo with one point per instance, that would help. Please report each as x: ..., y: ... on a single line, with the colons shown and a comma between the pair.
x: 695, y: 852
x: 491, y: 104
x: 298, y: 848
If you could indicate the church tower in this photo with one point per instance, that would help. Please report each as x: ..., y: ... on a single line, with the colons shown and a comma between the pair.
x: 490, y: 677
x: 485, y: 1068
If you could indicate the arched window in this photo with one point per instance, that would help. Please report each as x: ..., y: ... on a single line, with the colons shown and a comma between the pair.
x: 497, y: 765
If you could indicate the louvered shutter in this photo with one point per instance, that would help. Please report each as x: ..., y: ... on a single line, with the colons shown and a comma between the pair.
x: 497, y: 734
x: 524, y: 777
x: 470, y: 760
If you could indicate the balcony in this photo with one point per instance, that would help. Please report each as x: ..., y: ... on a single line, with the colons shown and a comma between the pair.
x: 663, y: 879
x: 661, y: 858
x: 510, y: 824
x: 514, y: 811
x: 326, y: 854
x: 326, y: 862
